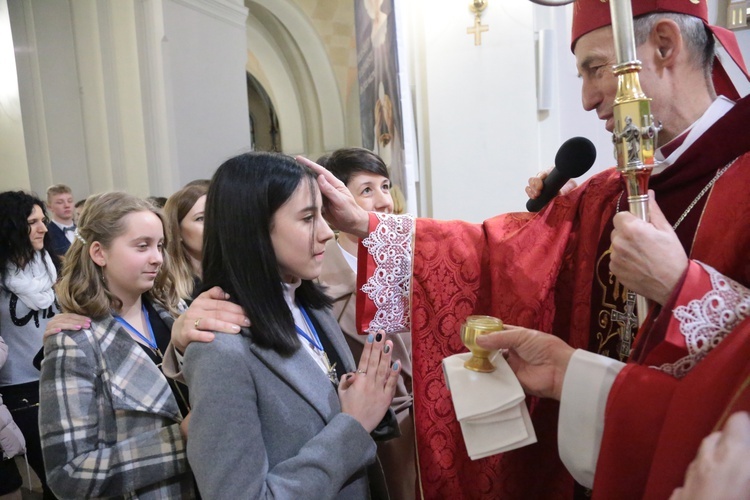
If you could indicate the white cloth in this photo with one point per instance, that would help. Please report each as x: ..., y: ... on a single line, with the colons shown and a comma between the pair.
x: 33, y: 284
x: 588, y: 380
x: 490, y: 407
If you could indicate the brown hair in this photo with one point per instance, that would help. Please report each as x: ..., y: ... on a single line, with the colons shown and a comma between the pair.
x: 177, y: 207
x: 81, y: 289
x: 58, y: 189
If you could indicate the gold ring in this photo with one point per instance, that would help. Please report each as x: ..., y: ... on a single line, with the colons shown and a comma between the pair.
x: 362, y: 372
x: 197, y: 323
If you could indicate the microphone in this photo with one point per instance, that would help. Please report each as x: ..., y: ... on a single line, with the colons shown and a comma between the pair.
x: 574, y: 158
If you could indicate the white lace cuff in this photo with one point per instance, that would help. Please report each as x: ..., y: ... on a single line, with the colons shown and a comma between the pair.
x: 389, y: 286
x: 706, y: 321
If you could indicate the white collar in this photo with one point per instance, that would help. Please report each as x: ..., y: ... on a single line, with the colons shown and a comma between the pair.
x: 715, y: 111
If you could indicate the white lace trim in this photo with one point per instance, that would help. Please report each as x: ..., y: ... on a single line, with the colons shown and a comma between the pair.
x: 705, y: 322
x: 389, y: 287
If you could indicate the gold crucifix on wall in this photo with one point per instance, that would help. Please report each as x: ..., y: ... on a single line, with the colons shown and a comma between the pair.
x: 477, y: 7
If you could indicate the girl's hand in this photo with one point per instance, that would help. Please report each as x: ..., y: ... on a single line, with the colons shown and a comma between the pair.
x: 366, y: 394
x: 65, y: 321
x: 210, y: 312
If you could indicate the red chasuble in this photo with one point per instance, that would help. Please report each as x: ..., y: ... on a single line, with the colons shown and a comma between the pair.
x: 537, y: 271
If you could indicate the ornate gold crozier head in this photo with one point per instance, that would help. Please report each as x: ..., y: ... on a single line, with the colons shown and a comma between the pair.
x: 470, y: 330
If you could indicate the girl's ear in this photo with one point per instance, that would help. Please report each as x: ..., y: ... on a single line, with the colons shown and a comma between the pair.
x: 97, y: 254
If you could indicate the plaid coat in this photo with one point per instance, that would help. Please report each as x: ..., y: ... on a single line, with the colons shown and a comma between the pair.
x: 108, y: 420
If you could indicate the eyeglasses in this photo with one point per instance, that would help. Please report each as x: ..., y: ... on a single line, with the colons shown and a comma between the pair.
x: 32, y: 222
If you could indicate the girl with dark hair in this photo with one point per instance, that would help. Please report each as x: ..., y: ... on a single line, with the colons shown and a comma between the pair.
x: 28, y: 271
x: 268, y: 419
x: 111, y: 424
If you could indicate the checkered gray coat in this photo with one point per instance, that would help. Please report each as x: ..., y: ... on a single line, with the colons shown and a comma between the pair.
x: 108, y: 420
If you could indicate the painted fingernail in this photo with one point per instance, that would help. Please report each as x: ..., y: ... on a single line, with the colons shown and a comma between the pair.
x: 370, y: 338
x: 387, y: 349
x: 395, y: 366
x: 378, y: 337
x: 247, y: 321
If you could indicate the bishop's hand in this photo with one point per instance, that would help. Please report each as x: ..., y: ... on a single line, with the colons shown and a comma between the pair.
x: 647, y: 257
x: 538, y: 359
x: 341, y: 210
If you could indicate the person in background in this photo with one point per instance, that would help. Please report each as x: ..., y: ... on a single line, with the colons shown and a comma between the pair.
x: 157, y: 201
x: 61, y: 225
x: 184, y: 213
x: 28, y: 271
x: 111, y: 424
x: 300, y: 417
x: 12, y: 442
x: 366, y: 177
x: 78, y: 209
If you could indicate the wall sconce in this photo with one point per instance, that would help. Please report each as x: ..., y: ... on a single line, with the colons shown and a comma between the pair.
x: 737, y: 14
x: 477, y: 7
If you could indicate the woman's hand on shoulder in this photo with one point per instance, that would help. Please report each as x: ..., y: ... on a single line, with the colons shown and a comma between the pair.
x: 366, y: 394
x: 210, y: 312
x: 65, y: 321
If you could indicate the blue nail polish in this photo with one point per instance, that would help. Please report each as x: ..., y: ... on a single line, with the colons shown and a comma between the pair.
x: 370, y: 338
x: 395, y: 366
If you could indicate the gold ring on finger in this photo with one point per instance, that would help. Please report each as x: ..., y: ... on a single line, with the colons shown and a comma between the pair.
x: 197, y: 323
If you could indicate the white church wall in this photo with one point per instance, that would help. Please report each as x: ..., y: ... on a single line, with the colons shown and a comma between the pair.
x: 206, y: 85
x: 139, y: 96
x: 12, y: 144
x: 50, y: 96
x: 476, y: 108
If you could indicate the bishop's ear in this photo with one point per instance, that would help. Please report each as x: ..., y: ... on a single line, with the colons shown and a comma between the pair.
x: 666, y: 38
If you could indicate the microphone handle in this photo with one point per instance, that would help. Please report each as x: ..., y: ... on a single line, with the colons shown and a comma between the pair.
x: 551, y: 185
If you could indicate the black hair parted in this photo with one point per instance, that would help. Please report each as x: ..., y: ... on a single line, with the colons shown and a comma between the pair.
x: 15, y: 243
x: 245, y: 193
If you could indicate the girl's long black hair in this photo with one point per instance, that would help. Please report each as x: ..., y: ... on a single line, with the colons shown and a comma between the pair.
x: 245, y: 193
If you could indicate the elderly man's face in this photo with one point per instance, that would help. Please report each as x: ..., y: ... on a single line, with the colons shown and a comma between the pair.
x: 595, y: 56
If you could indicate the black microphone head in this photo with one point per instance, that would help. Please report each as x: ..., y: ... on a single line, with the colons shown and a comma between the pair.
x: 575, y: 157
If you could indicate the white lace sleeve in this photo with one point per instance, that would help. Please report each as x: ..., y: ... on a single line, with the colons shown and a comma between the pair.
x: 707, y: 321
x: 389, y: 287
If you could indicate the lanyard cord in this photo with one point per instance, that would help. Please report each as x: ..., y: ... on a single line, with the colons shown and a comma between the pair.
x: 314, y: 340
x: 150, y: 342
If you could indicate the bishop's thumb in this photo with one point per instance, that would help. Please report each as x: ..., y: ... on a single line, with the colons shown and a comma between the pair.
x: 656, y: 216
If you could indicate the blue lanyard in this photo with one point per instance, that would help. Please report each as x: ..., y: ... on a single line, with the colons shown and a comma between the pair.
x: 314, y: 340
x: 150, y: 342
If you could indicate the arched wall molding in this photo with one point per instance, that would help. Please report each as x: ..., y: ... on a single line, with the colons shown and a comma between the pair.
x: 305, y: 58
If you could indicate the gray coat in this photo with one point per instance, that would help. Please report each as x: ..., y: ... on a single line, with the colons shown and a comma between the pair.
x: 265, y: 426
x: 108, y: 421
